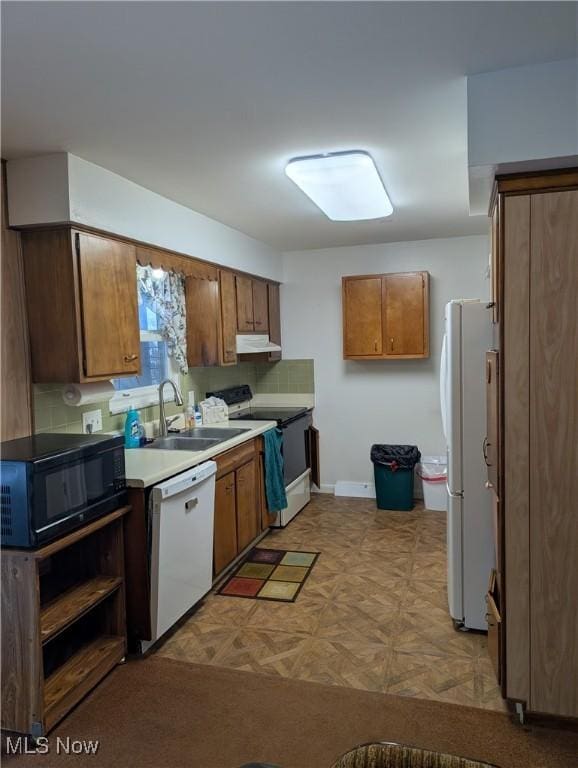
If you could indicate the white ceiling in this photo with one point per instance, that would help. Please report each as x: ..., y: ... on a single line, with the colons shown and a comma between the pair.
x: 205, y: 103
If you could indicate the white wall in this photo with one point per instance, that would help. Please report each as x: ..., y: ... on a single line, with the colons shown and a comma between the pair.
x: 360, y: 403
x: 104, y: 200
x: 520, y: 119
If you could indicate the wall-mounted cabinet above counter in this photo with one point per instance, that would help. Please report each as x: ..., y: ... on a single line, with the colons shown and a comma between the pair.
x: 81, y: 294
x: 82, y: 306
x: 386, y: 317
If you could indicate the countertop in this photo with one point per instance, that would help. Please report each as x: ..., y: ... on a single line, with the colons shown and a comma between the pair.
x: 147, y: 466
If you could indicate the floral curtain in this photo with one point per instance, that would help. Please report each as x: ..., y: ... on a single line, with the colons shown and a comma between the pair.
x: 167, y: 289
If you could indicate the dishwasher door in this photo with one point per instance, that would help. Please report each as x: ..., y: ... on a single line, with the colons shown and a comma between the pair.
x: 181, y: 545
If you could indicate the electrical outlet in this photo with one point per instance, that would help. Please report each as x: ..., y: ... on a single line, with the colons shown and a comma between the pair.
x: 92, y: 421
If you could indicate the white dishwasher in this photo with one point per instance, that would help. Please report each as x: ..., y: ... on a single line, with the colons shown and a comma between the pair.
x: 181, y: 512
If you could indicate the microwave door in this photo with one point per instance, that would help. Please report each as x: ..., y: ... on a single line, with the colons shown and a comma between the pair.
x: 64, y: 491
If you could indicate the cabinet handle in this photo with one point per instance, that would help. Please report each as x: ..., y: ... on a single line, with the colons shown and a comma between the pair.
x: 375, y: 346
x: 391, y: 342
x: 230, y: 352
x: 258, y: 322
x: 129, y: 358
x: 486, y: 444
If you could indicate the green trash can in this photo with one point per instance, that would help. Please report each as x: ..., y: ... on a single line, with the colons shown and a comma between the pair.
x: 393, y: 467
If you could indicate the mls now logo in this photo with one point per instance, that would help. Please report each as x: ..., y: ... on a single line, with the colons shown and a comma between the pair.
x: 21, y: 745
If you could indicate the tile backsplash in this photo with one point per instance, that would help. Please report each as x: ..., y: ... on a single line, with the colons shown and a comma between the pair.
x: 285, y: 376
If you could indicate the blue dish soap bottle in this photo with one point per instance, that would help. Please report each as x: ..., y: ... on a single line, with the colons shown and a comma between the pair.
x: 132, y: 430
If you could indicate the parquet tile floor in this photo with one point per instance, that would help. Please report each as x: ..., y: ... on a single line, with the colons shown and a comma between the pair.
x: 372, y: 615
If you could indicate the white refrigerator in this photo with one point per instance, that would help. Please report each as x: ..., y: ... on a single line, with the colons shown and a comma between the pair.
x: 471, y: 554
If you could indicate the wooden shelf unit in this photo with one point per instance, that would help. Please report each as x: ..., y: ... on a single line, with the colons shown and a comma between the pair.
x: 59, y: 613
x: 64, y: 625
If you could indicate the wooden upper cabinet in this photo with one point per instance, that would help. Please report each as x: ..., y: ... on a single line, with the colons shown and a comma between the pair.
x: 260, y: 307
x: 362, y: 316
x: 386, y: 316
x: 203, y: 321
x: 81, y: 297
x: 252, y: 298
x: 274, y: 318
x: 228, y: 317
x: 244, y: 293
x: 109, y: 308
x: 406, y: 314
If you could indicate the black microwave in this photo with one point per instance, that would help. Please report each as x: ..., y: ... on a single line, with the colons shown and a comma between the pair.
x: 52, y: 484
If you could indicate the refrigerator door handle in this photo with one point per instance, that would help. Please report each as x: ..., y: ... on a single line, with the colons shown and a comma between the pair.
x: 443, y: 387
x: 453, y: 494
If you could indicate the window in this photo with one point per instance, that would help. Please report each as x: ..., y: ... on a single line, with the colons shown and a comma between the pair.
x: 156, y: 363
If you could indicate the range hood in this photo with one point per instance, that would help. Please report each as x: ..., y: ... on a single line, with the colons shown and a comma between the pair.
x: 253, y: 343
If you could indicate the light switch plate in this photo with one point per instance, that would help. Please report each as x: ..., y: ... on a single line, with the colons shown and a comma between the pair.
x: 92, y: 421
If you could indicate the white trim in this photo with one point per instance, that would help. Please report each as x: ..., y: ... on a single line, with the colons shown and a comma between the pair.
x: 324, y: 488
x: 358, y: 490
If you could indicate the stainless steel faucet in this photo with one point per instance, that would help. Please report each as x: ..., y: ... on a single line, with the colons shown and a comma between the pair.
x: 178, y: 400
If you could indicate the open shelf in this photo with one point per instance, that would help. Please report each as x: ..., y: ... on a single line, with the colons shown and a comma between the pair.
x: 72, y: 604
x: 64, y: 622
x: 79, y: 674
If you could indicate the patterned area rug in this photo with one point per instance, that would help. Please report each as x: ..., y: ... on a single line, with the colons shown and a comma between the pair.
x: 271, y: 574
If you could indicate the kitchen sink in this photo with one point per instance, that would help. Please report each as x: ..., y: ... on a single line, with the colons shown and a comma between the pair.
x: 185, y: 443
x: 196, y: 439
x: 223, y: 433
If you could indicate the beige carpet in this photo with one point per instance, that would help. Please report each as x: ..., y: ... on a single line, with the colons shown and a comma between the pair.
x: 159, y: 713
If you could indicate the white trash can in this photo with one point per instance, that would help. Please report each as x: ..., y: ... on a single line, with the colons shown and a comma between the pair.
x: 433, y: 471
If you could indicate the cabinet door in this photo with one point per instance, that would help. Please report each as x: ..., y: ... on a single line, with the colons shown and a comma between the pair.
x: 406, y: 315
x: 203, y: 313
x: 492, y: 441
x: 225, y: 525
x: 244, y: 290
x: 260, y: 307
x: 108, y: 303
x: 495, y: 264
x: 274, y: 319
x: 247, y: 504
x: 228, y: 317
x: 362, y: 316
x: 553, y: 466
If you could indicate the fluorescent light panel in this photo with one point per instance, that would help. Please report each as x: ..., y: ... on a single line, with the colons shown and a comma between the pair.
x: 345, y: 185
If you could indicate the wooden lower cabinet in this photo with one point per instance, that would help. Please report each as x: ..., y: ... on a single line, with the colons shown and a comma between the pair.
x: 248, y: 512
x: 225, y: 526
x: 239, y: 498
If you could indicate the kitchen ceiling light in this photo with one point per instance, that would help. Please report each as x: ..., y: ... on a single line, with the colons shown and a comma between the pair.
x: 345, y: 185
